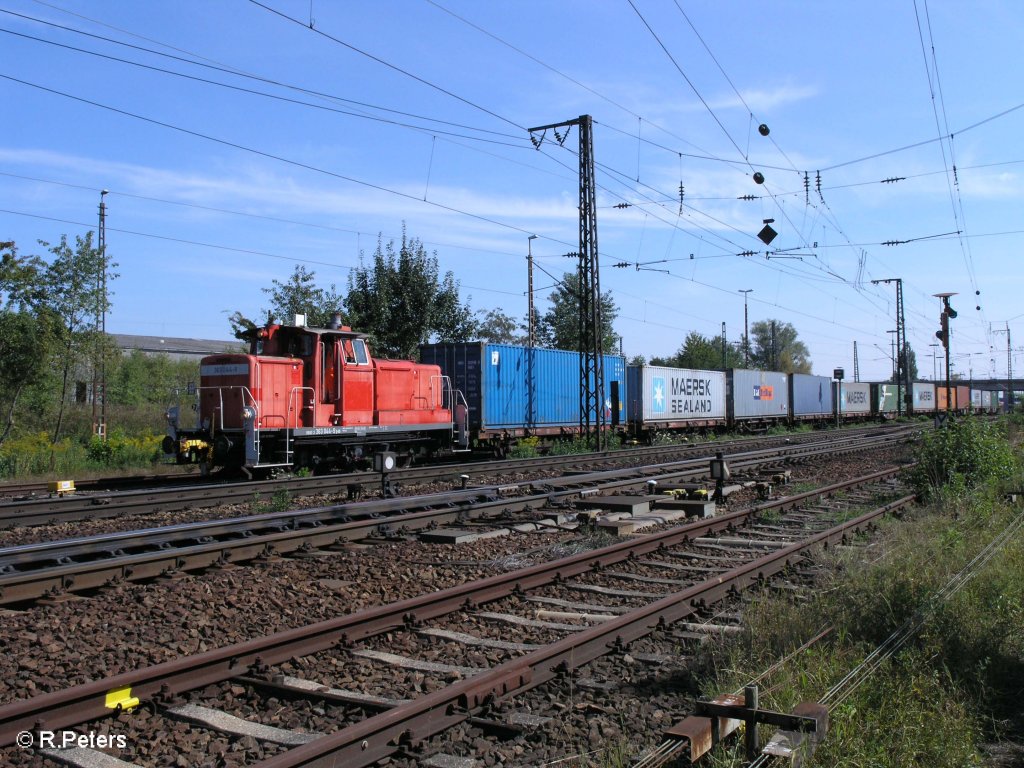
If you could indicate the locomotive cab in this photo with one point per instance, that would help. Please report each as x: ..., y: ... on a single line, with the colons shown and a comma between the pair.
x: 316, y: 398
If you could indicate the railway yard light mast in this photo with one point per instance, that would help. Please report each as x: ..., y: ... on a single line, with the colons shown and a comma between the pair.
x: 746, y: 331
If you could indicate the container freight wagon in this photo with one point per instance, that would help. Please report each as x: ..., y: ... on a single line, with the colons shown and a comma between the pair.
x: 673, y: 398
x: 810, y: 397
x: 923, y: 394
x: 756, y: 396
x: 854, y: 399
x: 514, y: 391
x: 962, y: 403
x: 885, y: 400
x: 941, y: 397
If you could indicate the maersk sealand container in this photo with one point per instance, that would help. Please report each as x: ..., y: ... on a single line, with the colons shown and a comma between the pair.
x: 660, y: 397
x: 854, y: 397
x: 811, y: 396
x: 511, y: 389
x: 754, y: 395
x: 924, y: 399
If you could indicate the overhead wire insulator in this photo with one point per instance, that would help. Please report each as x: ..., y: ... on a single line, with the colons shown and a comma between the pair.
x: 621, y: 264
x: 622, y: 205
x: 893, y: 179
x: 747, y: 253
x: 747, y: 197
x: 807, y: 188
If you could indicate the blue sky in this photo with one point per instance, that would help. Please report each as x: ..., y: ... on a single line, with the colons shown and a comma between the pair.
x: 414, y: 113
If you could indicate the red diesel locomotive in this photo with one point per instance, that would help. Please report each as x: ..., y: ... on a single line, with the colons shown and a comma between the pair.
x: 315, y: 398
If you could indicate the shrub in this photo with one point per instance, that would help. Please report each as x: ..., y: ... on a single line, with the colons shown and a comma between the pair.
x: 961, y: 456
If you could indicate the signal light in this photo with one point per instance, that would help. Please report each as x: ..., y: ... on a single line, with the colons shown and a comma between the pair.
x: 943, y: 333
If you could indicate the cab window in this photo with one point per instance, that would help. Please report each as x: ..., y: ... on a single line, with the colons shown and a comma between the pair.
x: 359, y: 347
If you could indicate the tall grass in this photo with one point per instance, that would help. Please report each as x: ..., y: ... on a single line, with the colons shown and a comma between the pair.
x: 36, y: 455
x: 953, y: 688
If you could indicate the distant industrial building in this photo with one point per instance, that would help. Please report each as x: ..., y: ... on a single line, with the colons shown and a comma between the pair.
x: 175, y: 348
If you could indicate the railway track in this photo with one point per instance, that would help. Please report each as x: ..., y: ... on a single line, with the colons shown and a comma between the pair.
x: 391, y: 681
x: 52, y: 569
x: 179, y: 494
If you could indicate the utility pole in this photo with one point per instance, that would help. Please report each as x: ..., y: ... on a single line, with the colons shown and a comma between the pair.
x: 724, y: 358
x: 592, y: 413
x: 99, y: 384
x: 902, y: 372
x: 746, y: 327
x: 531, y: 333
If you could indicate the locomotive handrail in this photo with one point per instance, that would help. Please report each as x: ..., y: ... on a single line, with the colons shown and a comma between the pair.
x: 288, y: 437
x: 246, y: 392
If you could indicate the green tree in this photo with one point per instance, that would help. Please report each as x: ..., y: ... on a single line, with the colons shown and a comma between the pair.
x: 24, y: 343
x: 910, y: 360
x: 495, y: 326
x: 703, y: 353
x: 139, y: 378
x: 400, y: 300
x: 777, y: 348
x: 65, y: 294
x: 299, y: 295
x: 699, y: 352
x: 559, y: 326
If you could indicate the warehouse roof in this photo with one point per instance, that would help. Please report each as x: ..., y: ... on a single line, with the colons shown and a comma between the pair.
x: 176, y: 347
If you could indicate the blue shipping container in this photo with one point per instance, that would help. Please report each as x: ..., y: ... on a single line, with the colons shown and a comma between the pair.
x: 810, y: 395
x: 513, y: 388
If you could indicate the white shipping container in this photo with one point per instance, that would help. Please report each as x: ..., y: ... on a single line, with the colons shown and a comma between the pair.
x: 854, y: 397
x: 663, y: 396
x: 924, y: 397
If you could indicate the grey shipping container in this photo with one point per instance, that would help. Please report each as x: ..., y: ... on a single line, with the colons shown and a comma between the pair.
x: 514, y: 389
x: 810, y: 396
x: 669, y: 397
x: 757, y: 394
x: 854, y: 397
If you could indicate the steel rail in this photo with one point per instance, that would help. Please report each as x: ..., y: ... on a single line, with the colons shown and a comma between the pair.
x: 409, y: 724
x: 101, y: 504
x: 33, y: 571
x: 162, y: 682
